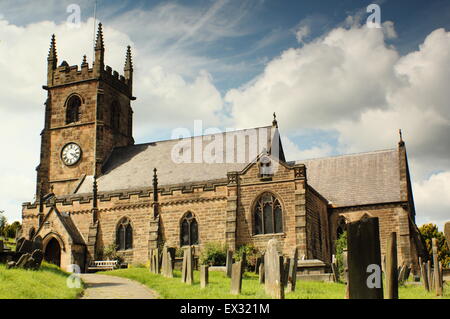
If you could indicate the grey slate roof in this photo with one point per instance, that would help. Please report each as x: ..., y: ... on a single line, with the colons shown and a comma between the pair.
x: 131, y: 167
x: 356, y: 179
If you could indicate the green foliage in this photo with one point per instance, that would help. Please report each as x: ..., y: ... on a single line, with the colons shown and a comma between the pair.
x: 3, y: 222
x: 179, y: 252
x: 110, y: 253
x: 213, y: 254
x: 251, y: 253
x: 9, y: 231
x: 430, y: 231
x: 341, y: 245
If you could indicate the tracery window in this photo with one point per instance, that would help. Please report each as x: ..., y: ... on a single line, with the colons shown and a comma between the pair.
x: 189, y: 230
x: 124, y: 235
x: 268, y: 213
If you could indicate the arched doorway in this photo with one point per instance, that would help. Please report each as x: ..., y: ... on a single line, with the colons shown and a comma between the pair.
x: 53, y: 252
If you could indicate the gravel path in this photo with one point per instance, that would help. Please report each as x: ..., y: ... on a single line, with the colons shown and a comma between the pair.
x: 111, y: 287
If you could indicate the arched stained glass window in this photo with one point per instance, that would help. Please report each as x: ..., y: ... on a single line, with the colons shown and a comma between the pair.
x: 268, y: 215
x: 124, y: 236
x: 189, y: 230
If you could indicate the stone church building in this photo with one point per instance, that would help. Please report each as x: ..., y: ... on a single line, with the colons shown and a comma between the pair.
x: 96, y: 187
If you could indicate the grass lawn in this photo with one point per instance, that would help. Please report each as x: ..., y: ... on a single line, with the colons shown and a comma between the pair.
x: 219, y: 287
x: 49, y: 282
x: 9, y: 242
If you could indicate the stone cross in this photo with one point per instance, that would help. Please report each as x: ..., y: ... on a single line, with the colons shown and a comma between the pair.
x: 229, y: 262
x: 364, y: 259
x: 391, y: 267
x: 236, y: 277
x: 272, y: 268
x: 437, y: 275
x: 292, y: 272
x: 204, y: 276
x: 187, y: 271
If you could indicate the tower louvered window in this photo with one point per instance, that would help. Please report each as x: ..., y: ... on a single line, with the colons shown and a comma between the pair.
x: 73, y: 110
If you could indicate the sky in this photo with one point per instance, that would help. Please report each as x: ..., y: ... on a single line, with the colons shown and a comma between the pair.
x: 337, y: 85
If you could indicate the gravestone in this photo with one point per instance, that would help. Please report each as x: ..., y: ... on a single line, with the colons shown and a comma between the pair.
x: 26, y: 247
x: 229, y: 263
x: 430, y: 275
x: 19, y: 242
x: 167, y: 262
x: 154, y: 261
x: 34, y: 262
x: 272, y: 268
x: 236, y: 277
x: 364, y: 259
x: 37, y: 243
x: 261, y: 273
x: 447, y: 233
x: 22, y: 260
x: 391, y: 267
x: 187, y: 271
x: 1, y: 246
x: 292, y: 272
x: 345, y: 264
x: 423, y: 274
x: 285, y: 271
x: 407, y: 272
x: 436, y: 275
x: 204, y: 276
x: 401, y: 274
x: 258, y: 262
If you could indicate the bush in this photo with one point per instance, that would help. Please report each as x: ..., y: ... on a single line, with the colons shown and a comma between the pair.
x: 430, y: 231
x: 213, y: 254
x: 110, y: 253
x: 251, y: 253
x: 341, y: 244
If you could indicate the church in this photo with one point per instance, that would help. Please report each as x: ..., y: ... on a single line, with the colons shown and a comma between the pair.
x: 96, y: 188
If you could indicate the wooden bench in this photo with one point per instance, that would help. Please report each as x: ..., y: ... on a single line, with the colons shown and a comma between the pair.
x: 103, y: 265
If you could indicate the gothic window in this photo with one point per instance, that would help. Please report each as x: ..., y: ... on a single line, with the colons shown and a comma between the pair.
x: 268, y: 215
x: 73, y: 109
x: 115, y: 115
x: 124, y: 236
x: 189, y: 230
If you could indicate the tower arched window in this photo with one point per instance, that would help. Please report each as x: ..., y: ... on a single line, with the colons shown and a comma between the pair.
x: 189, y: 230
x: 124, y: 235
x: 115, y: 115
x: 73, y: 109
x: 268, y: 215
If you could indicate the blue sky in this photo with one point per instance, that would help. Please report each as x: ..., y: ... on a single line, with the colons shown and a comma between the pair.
x: 337, y: 86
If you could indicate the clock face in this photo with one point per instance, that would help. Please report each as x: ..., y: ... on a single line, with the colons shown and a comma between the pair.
x: 71, y: 154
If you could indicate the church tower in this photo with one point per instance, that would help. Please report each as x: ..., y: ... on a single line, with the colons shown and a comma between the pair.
x: 87, y: 113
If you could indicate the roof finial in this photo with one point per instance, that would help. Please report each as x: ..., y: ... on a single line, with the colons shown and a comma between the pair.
x: 94, y: 193
x: 274, y: 122
x: 155, y: 193
x: 84, y: 60
x: 128, y: 60
x: 99, y: 42
x: 401, y: 142
x: 52, y: 56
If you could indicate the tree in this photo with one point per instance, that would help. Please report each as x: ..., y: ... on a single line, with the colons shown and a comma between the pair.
x: 341, y: 245
x: 11, y: 230
x: 430, y: 231
x: 3, y: 222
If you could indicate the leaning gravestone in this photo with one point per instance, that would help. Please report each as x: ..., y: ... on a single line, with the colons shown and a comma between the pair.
x: 229, y: 263
x: 364, y: 259
x: 26, y: 247
x: 236, y: 277
x: 424, y: 275
x: 272, y: 268
x: 204, y: 276
x: 34, y: 262
x: 292, y: 272
x: 37, y: 243
x: 19, y: 242
x: 391, y: 267
x: 187, y: 271
x: 447, y: 233
x: 22, y: 260
x: 401, y: 273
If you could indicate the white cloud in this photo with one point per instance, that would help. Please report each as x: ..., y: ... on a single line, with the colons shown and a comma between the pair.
x: 302, y: 33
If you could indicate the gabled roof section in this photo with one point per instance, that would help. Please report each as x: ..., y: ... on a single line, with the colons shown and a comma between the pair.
x: 67, y: 223
x: 181, y: 161
x: 356, y: 179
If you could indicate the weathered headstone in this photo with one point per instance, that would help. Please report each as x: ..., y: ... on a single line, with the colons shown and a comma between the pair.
x: 437, y: 275
x: 167, y: 262
x: 430, y: 275
x: 187, y: 272
x: 391, y: 267
x: 19, y: 242
x: 292, y: 272
x: 236, y: 277
x: 154, y: 261
x: 261, y: 273
x: 364, y: 259
x: 272, y: 268
x: 407, y: 272
x: 22, y: 260
x: 229, y: 263
x: 37, y: 243
x: 345, y: 264
x: 258, y: 262
x: 401, y: 274
x: 447, y: 233
x: 204, y: 276
x: 26, y: 247
x: 34, y: 262
x: 285, y: 271
x: 424, y: 275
